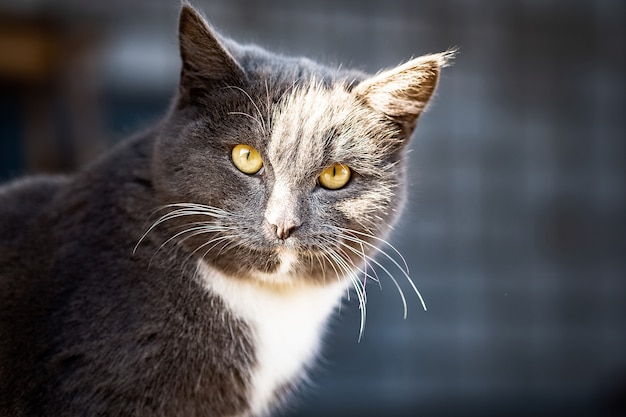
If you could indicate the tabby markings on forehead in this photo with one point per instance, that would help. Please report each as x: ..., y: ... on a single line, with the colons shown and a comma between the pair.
x: 299, y: 142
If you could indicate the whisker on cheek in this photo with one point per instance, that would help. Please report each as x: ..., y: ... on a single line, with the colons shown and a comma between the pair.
x: 215, y: 242
x: 190, y: 229
x: 348, y: 272
x: 404, y: 270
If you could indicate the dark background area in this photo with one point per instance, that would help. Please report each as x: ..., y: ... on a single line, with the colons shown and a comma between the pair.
x: 515, y: 229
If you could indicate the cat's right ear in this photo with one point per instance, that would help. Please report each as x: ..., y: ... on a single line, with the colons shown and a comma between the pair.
x: 206, y: 63
x: 402, y: 93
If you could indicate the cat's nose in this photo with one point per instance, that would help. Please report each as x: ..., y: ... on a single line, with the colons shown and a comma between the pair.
x: 284, y: 229
x: 283, y: 211
x: 282, y: 223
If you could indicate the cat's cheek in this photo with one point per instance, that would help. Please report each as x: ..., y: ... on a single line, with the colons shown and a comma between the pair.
x: 367, y: 206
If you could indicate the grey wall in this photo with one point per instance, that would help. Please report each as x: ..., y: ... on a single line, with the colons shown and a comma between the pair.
x: 515, y: 231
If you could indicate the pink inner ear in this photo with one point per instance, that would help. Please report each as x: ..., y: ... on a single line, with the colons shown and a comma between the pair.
x: 402, y: 93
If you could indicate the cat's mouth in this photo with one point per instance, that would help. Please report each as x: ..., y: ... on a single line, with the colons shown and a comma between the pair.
x: 280, y: 249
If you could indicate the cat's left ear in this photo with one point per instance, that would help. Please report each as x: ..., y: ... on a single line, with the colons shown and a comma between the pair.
x: 402, y: 93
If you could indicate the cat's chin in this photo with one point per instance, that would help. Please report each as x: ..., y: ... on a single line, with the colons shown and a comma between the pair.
x: 289, y: 272
x: 288, y: 269
x: 283, y: 274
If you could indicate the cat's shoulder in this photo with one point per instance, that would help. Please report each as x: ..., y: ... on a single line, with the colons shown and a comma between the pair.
x: 22, y: 203
x: 28, y: 196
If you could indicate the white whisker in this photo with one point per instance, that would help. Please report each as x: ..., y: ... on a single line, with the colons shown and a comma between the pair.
x: 215, y: 241
x: 183, y: 209
x: 268, y: 107
x: 240, y: 113
x: 356, y: 283
x: 234, y: 87
x: 383, y: 241
x: 191, y: 229
x: 348, y: 270
x: 404, y: 270
x: 197, y: 230
x: 404, y: 303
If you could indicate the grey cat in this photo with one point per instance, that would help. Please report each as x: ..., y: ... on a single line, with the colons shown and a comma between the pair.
x: 191, y: 270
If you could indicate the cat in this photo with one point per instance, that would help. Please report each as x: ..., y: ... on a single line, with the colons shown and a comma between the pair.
x: 191, y: 270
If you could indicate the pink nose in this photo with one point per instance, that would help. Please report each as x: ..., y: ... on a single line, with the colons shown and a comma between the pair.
x: 283, y: 211
x: 284, y: 228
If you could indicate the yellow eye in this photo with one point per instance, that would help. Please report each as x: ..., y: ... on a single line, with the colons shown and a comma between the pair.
x: 247, y: 159
x: 335, y: 176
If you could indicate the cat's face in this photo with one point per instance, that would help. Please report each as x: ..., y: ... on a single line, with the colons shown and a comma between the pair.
x: 280, y: 170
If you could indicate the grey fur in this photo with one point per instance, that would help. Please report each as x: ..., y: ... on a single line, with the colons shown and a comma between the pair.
x: 87, y: 327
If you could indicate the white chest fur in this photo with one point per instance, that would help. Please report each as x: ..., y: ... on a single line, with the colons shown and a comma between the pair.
x: 287, y: 324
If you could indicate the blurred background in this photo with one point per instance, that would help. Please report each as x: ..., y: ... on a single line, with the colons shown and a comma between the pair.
x: 515, y: 229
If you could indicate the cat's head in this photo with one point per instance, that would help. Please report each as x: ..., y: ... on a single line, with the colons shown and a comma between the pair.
x: 281, y: 170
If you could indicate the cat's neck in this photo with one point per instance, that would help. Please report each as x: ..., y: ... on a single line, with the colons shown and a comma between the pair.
x: 287, y: 322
